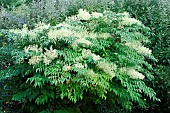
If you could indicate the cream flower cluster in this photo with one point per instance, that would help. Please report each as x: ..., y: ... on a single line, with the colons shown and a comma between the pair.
x: 46, y: 57
x: 91, y: 72
x: 96, y: 14
x: 104, y: 35
x: 81, y: 41
x: 35, y: 59
x: 55, y: 34
x: 64, y: 32
x: 67, y: 30
x: 135, y: 74
x: 130, y: 21
x: 132, y: 73
x: 88, y: 53
x: 32, y: 33
x: 79, y: 33
x: 66, y: 67
x: 76, y: 65
x: 107, y: 68
x: 84, y: 15
x: 139, y: 48
x: 49, y: 55
x: 41, y: 26
x: 127, y: 20
x: 23, y: 32
x: 32, y: 48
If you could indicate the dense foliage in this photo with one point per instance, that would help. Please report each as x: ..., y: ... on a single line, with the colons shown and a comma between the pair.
x: 155, y: 15
x: 152, y: 13
x: 88, y: 57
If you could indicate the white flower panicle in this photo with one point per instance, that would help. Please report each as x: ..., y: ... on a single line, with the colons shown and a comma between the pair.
x: 132, y: 73
x: 96, y: 15
x: 95, y: 57
x: 32, y: 48
x: 139, y: 48
x: 49, y: 55
x: 55, y: 34
x: 107, y: 68
x: 46, y: 57
x: 41, y: 26
x: 81, y: 41
x: 81, y: 35
x: 74, y: 17
x: 31, y: 33
x: 67, y: 31
x: 104, y: 35
x: 145, y: 51
x: 83, y: 15
x: 88, y: 53
x: 91, y: 72
x: 79, y: 65
x: 23, y: 32
x: 91, y: 35
x: 130, y: 21
x: 66, y: 68
x: 125, y: 14
x: 35, y: 59
x: 135, y: 74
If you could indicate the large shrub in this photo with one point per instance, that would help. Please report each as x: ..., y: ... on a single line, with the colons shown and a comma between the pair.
x: 153, y: 13
x: 90, y: 57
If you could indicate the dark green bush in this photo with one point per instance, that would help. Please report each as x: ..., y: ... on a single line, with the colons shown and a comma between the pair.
x: 155, y: 15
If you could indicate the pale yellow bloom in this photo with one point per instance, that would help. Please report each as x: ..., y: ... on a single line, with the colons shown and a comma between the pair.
x: 104, y: 35
x: 91, y: 72
x: 83, y: 15
x: 41, y: 26
x: 35, y: 59
x: 96, y: 15
x: 78, y: 65
x: 130, y: 21
x: 31, y: 33
x: 107, y: 68
x: 135, y: 74
x: 46, y: 60
x: 66, y: 67
x: 132, y: 73
x: 49, y: 55
x: 139, y: 48
x: 46, y: 57
x: 32, y: 48
x: 88, y: 53
x: 95, y: 57
x: 54, y: 34
x: 81, y: 41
